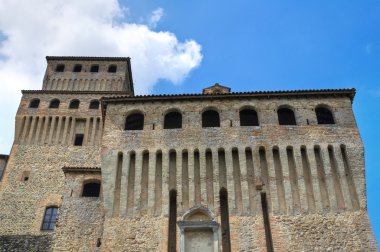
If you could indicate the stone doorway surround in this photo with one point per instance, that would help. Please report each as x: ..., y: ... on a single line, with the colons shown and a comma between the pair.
x: 199, y: 218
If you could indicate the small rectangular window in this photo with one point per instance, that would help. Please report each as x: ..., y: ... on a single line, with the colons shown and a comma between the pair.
x: 25, y: 176
x: 78, y: 140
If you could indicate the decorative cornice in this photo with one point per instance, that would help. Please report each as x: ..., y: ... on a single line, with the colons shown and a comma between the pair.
x: 87, y: 58
x: 67, y: 169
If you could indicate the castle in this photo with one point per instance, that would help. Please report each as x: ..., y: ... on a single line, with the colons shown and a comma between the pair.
x: 95, y: 168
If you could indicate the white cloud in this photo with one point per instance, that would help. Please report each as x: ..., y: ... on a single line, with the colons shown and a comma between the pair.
x: 155, y: 17
x: 36, y: 28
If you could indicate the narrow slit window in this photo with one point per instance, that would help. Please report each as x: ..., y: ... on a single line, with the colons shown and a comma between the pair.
x: 172, y: 221
x: 78, y: 140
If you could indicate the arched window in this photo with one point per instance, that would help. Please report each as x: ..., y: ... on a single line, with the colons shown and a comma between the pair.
x: 324, y: 116
x: 210, y: 118
x: 134, y: 122
x: 94, y: 104
x: 77, y: 68
x: 112, y: 69
x: 35, y: 103
x: 94, y: 69
x: 91, y: 189
x: 50, y: 215
x: 248, y: 117
x: 74, y: 104
x: 60, y: 68
x: 54, y: 103
x: 173, y: 120
x: 286, y: 116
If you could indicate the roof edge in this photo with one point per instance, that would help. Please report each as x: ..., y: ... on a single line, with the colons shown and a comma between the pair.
x: 67, y: 169
x: 87, y: 58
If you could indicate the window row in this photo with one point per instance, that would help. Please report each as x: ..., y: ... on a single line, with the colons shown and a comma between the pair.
x: 78, y: 68
x: 211, y: 118
x: 74, y: 104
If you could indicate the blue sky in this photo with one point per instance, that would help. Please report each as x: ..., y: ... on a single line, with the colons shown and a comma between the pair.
x: 248, y: 45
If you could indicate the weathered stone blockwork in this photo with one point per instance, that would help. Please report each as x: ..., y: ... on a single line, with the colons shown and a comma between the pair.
x: 228, y: 187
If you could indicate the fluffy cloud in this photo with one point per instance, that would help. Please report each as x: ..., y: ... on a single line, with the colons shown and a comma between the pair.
x: 36, y: 28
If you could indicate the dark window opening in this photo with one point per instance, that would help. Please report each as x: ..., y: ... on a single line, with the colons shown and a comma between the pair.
x: 54, y: 103
x: 25, y: 176
x: 77, y: 68
x: 78, y: 139
x: 94, y: 69
x: 173, y: 120
x: 210, y: 118
x: 91, y: 189
x: 286, y: 116
x: 50, y: 215
x: 35, y: 103
x: 60, y: 68
x: 225, y: 222
x: 172, y: 221
x: 324, y: 116
x: 94, y: 104
x: 248, y: 117
x: 112, y: 69
x: 74, y: 104
x: 268, y: 234
x: 134, y: 122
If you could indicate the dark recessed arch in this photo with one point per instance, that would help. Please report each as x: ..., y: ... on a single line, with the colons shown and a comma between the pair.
x: 112, y: 69
x: 134, y: 121
x: 60, y: 68
x: 35, y: 103
x: 77, y: 68
x: 210, y: 118
x: 74, y: 104
x: 94, y: 104
x: 91, y: 188
x: 94, y: 69
x: 324, y: 115
x: 248, y: 117
x: 173, y: 120
x: 286, y: 116
x: 54, y: 103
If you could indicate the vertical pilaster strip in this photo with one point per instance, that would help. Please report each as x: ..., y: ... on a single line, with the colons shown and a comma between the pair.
x: 64, y: 136
x: 259, y: 178
x: 272, y: 181
x: 286, y: 179
x: 165, y: 182
x: 179, y: 181
x: 244, y: 182
x: 93, y: 133
x: 124, y: 184
x: 58, y: 134
x: 86, y: 131
x: 52, y: 127
x: 26, y: 129
x: 314, y: 178
x: 31, y: 130
x: 300, y: 178
x: 230, y: 181
x: 138, y: 167
x: 151, y: 180
x: 39, y: 125
x: 328, y: 177
x: 203, y: 179
x: 343, y: 177
x: 72, y: 129
x: 191, y: 178
x: 216, y: 186
x: 209, y: 179
x: 44, y: 131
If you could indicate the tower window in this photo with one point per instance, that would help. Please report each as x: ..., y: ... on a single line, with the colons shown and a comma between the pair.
x: 50, y: 215
x: 35, y: 103
x: 94, y: 104
x: 210, y: 118
x: 173, y: 120
x: 94, y: 69
x: 77, y: 68
x: 91, y: 189
x: 134, y: 122
x: 74, y: 104
x: 78, y: 140
x: 60, y: 68
x: 112, y: 69
x: 54, y: 103
x: 248, y: 117
x: 324, y: 116
x: 286, y: 116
